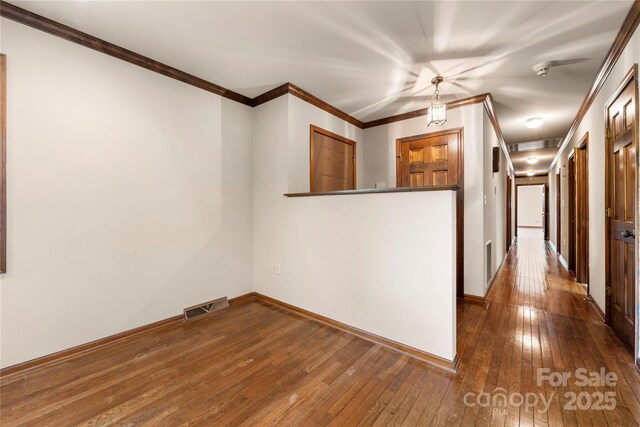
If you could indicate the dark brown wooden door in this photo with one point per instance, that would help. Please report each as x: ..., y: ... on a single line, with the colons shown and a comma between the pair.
x: 333, y: 162
x: 428, y: 160
x: 571, y: 223
x: 558, y: 213
x: 509, y: 233
x: 582, y: 210
x: 621, y: 149
x: 545, y: 210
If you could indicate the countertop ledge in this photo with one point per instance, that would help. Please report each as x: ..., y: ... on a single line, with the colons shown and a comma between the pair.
x: 376, y: 191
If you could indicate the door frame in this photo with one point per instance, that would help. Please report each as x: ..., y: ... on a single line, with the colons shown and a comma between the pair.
x: 509, y: 211
x: 459, y: 195
x: 632, y: 74
x: 312, y: 130
x: 582, y: 214
x: 571, y: 217
x: 546, y: 191
x: 558, y: 211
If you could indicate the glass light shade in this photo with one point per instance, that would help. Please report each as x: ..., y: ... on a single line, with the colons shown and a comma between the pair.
x: 437, y: 113
x: 532, y: 160
x: 531, y: 173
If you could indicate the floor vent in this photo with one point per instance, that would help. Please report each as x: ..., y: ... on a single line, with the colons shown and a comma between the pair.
x: 196, y: 311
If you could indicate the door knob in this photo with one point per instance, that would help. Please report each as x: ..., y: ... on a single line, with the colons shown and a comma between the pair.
x: 628, y: 233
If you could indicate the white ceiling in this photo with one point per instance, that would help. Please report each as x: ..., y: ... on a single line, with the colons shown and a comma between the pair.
x: 373, y: 59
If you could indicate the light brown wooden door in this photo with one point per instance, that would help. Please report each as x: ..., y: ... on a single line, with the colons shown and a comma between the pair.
x: 621, y: 185
x: 333, y: 161
x: 428, y: 160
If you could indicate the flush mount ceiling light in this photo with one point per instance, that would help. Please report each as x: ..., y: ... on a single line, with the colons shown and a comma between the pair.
x: 531, y: 173
x: 532, y: 160
x: 437, y: 112
x: 534, y: 122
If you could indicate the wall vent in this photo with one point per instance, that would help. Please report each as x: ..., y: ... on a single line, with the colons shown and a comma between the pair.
x: 196, y: 311
x: 489, y: 259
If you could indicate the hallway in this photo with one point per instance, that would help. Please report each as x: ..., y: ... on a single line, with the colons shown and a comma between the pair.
x: 535, y: 317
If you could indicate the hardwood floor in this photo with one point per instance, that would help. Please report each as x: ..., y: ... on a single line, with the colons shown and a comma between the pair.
x: 258, y: 364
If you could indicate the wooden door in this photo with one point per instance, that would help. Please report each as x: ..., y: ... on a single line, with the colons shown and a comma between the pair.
x: 582, y: 210
x: 333, y: 161
x: 571, y: 201
x: 545, y: 210
x: 436, y: 159
x: 428, y: 160
x: 509, y: 212
x: 621, y: 186
x: 558, y: 212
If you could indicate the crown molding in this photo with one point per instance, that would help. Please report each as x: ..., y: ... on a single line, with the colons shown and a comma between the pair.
x: 423, y: 111
x: 629, y: 26
x: 274, y: 93
x: 489, y: 108
x: 23, y: 16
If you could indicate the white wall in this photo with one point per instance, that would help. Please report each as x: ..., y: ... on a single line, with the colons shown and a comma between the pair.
x: 530, y: 206
x: 593, y: 122
x: 341, y: 256
x: 494, y: 188
x: 129, y: 196
x: 380, y: 165
x: 301, y: 116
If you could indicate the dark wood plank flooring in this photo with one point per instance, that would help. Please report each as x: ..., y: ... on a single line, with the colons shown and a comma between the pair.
x: 257, y: 364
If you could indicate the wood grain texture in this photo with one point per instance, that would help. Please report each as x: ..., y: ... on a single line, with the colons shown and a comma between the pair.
x: 65, y: 355
x: 629, y: 26
x: 261, y: 364
x: 23, y: 16
x: 402, y: 348
x: 336, y: 168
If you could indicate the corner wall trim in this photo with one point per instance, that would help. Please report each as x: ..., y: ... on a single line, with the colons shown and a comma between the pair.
x: 65, y: 355
x: 622, y: 39
x: 23, y: 16
x: 432, y: 359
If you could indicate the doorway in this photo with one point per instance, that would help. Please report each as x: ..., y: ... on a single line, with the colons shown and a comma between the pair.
x: 436, y: 159
x: 509, y: 232
x: 558, y: 212
x: 530, y: 209
x: 582, y: 210
x: 333, y: 161
x: 620, y: 186
x: 571, y: 222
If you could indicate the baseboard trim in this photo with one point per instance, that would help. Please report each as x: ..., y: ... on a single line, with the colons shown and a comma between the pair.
x: 597, y: 308
x: 563, y: 262
x: 69, y: 353
x: 423, y: 356
x: 475, y: 299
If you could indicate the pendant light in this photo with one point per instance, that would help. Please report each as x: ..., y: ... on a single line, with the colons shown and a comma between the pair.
x: 437, y: 112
